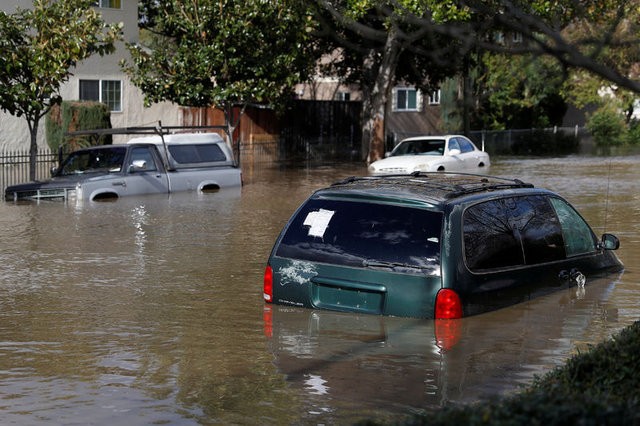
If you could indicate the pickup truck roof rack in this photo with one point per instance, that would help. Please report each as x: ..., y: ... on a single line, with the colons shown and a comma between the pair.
x: 142, y: 130
x: 158, y: 130
x: 441, y: 185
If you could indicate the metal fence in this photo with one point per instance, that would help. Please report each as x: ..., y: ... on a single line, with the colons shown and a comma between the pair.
x: 554, y: 140
x: 259, y: 150
x: 14, y: 166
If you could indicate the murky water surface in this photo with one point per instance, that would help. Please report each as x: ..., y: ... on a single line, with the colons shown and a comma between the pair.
x: 149, y: 311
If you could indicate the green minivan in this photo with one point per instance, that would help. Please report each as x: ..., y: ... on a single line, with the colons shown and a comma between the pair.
x: 432, y: 245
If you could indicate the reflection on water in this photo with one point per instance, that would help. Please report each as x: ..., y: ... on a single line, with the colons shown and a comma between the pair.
x: 150, y: 310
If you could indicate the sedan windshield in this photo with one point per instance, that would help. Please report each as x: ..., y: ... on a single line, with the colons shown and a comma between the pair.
x: 94, y: 160
x: 420, y: 147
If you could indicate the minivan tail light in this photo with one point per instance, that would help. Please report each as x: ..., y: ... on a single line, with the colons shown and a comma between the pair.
x: 448, y: 305
x: 268, y: 284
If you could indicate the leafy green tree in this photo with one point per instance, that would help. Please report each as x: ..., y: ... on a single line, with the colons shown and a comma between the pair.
x: 585, y: 88
x: 222, y: 53
x: 38, y: 49
x: 519, y: 92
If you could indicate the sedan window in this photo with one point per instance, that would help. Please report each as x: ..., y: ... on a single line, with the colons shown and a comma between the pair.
x: 364, y: 235
x: 511, y: 232
x: 465, y: 145
x: 420, y: 147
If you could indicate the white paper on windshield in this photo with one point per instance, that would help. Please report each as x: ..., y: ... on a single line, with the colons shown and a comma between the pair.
x: 318, y: 222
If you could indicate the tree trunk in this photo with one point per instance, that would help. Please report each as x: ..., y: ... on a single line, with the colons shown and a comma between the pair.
x: 374, y: 111
x: 33, y: 147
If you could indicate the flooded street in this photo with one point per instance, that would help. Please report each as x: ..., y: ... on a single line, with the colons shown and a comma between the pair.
x: 150, y: 311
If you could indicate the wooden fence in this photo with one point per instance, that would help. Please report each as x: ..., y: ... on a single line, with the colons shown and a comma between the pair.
x: 14, y: 166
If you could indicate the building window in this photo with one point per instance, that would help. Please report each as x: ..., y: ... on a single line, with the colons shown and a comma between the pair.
x: 517, y: 37
x: 406, y: 99
x: 343, y: 96
x: 108, y: 4
x: 108, y: 92
x: 434, y: 97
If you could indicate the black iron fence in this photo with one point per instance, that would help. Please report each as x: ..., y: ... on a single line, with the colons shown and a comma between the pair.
x: 549, y: 141
x: 14, y: 166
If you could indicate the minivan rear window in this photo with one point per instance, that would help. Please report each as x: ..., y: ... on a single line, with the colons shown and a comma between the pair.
x: 361, y: 234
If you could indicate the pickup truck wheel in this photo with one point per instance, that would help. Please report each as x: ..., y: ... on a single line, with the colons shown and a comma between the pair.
x: 106, y: 196
x: 210, y: 188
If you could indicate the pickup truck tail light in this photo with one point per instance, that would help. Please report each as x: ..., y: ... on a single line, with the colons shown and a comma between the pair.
x: 268, y: 284
x: 448, y: 305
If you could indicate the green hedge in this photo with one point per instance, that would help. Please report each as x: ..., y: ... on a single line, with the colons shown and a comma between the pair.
x: 70, y: 116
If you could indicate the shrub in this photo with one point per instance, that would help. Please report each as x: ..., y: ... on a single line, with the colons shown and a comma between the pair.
x: 633, y: 136
x: 607, y: 127
x: 72, y: 116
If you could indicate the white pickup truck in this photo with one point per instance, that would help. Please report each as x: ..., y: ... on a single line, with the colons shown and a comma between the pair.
x: 145, y: 165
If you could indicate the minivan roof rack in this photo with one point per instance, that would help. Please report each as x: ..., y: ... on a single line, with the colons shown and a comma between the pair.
x: 446, y: 185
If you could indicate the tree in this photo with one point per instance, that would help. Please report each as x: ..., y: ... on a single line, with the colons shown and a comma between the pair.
x: 38, y: 49
x: 519, y: 92
x: 456, y: 30
x: 584, y: 88
x: 214, y: 53
x: 382, y: 45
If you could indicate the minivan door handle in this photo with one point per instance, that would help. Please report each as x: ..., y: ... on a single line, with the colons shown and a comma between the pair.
x: 574, y: 275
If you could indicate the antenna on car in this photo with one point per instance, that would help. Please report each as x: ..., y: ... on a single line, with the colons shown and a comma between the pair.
x: 606, y: 199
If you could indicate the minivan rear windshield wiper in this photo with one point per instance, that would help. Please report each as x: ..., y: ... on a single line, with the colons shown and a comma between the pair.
x: 371, y: 263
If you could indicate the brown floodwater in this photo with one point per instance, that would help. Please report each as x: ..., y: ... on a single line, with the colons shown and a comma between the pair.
x: 150, y: 311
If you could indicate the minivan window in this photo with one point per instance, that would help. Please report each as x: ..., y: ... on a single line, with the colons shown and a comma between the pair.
x: 578, y: 237
x: 510, y: 232
x: 362, y: 234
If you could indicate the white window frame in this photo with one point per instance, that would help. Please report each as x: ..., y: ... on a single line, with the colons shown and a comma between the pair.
x: 343, y: 96
x: 101, y: 90
x: 396, y: 107
x: 434, y: 97
x: 106, y: 4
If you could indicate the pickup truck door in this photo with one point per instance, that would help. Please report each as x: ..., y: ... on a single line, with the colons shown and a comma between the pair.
x: 144, y: 172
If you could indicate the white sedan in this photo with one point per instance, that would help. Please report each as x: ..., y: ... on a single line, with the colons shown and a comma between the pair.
x: 451, y: 153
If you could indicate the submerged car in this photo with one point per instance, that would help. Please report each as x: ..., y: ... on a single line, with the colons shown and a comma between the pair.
x: 201, y: 162
x: 432, y: 245
x: 451, y: 153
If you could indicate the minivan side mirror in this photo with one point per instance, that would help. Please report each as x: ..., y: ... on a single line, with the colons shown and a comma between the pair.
x: 610, y: 242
